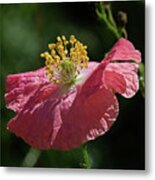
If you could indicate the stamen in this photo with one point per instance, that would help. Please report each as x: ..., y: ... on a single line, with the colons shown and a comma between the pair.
x: 63, y: 64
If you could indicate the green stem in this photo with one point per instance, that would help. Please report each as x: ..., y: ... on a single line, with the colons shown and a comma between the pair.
x: 31, y: 157
x: 86, y: 157
x: 142, y: 78
x: 110, y: 16
x: 108, y: 20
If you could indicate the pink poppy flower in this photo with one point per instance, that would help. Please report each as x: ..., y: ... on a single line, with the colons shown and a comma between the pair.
x: 62, y: 108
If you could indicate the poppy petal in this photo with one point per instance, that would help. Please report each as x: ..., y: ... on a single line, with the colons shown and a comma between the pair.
x: 123, y: 50
x: 20, y: 87
x: 41, y: 118
x: 122, y: 78
x: 44, y: 114
x: 90, y: 116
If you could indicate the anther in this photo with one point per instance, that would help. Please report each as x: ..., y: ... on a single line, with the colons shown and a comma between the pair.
x: 63, y: 65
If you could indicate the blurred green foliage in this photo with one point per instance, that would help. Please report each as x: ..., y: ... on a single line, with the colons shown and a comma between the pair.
x: 26, y: 29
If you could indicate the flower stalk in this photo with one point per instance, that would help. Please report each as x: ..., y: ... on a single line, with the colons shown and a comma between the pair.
x: 31, y: 157
x: 86, y: 158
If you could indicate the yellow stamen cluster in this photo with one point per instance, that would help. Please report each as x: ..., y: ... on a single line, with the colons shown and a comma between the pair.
x: 65, y: 60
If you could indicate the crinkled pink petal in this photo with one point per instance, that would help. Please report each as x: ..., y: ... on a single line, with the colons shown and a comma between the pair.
x: 41, y: 118
x: 91, y: 115
x: 20, y: 87
x: 122, y: 78
x: 67, y: 117
x: 123, y: 50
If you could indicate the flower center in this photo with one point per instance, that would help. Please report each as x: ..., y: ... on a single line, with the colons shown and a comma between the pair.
x: 65, y: 60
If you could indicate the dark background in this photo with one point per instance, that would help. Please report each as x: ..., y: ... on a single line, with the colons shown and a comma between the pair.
x: 25, y: 30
